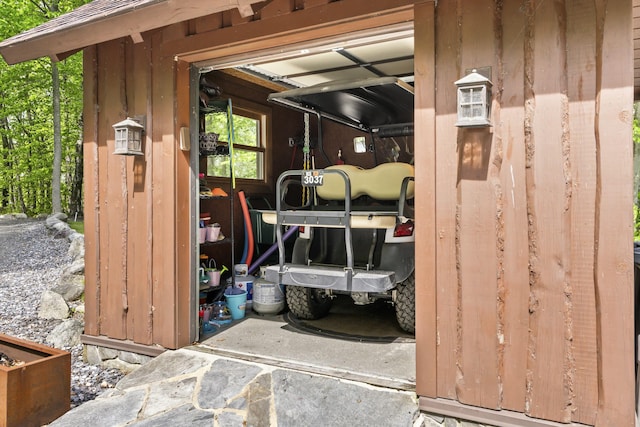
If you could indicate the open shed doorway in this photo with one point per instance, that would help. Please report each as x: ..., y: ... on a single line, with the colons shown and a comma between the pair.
x: 356, y: 341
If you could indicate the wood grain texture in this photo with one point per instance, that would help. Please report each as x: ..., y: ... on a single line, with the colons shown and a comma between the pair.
x: 614, y: 224
x: 425, y: 206
x: 185, y: 277
x: 513, y: 288
x: 581, y: 49
x: 110, y: 82
x: 446, y: 166
x: 548, y: 192
x: 91, y: 193
x: 163, y: 204
x: 477, y: 358
x: 139, y: 186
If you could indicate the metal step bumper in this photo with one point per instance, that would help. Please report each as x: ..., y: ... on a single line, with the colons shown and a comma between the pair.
x: 334, y: 278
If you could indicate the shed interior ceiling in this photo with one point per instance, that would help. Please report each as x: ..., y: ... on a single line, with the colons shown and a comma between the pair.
x: 390, y: 56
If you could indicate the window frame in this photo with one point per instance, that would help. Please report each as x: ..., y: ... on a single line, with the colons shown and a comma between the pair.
x: 263, y: 114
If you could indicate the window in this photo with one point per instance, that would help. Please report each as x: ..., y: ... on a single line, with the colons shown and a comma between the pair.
x: 250, y: 132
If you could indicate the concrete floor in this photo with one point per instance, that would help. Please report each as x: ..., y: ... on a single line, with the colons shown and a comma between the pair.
x: 360, y: 343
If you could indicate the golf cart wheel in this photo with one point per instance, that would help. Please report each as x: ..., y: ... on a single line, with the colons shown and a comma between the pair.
x: 308, y: 303
x: 405, y: 304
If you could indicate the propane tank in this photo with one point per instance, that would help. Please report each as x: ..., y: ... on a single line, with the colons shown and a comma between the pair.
x: 268, y: 297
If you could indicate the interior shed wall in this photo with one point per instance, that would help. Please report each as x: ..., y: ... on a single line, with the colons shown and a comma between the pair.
x: 533, y: 223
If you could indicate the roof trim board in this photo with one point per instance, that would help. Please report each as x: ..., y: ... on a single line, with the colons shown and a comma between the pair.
x: 104, y: 20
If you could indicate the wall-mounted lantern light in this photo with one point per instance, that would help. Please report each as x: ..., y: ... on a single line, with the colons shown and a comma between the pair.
x: 474, y: 100
x: 129, y: 137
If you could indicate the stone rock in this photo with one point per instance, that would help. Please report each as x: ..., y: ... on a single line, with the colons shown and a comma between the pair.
x: 134, y: 358
x: 124, y: 367
x: 53, y: 219
x: 107, y: 353
x: 70, y: 287
x: 53, y: 306
x: 76, y: 267
x: 61, y: 230
x: 76, y: 249
x: 167, y: 396
x: 435, y: 417
x: 90, y: 355
x: 79, y: 309
x: 66, y: 334
x: 59, y: 216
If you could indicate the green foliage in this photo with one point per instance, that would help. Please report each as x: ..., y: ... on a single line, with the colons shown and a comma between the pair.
x: 26, y: 114
x: 247, y: 164
x: 78, y: 226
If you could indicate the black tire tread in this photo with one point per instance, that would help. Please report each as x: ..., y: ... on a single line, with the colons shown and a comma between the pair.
x: 405, y: 304
x: 303, y: 303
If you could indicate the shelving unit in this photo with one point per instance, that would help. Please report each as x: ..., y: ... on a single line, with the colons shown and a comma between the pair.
x: 219, y: 106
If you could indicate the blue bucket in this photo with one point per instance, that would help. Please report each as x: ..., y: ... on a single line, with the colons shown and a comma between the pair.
x: 236, y: 302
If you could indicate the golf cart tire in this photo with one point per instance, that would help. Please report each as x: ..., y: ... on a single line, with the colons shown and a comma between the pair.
x: 405, y: 304
x: 308, y: 303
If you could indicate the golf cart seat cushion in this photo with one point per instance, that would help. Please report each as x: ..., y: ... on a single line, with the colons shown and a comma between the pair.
x: 383, y: 182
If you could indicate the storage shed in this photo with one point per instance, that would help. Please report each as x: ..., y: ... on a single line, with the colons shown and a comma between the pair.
x: 524, y: 289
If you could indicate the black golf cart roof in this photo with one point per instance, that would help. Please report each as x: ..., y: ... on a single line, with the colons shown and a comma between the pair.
x: 377, y: 104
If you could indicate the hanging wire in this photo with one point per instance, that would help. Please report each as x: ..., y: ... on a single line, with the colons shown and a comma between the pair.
x: 231, y: 132
x: 306, y: 165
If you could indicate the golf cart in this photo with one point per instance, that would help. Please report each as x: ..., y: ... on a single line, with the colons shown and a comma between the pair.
x: 356, y: 230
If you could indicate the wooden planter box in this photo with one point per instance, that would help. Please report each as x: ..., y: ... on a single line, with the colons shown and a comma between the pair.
x: 38, y: 391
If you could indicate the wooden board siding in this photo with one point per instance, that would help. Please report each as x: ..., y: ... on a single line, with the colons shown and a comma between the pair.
x: 112, y: 236
x: 526, y: 294
x: 636, y: 48
x: 164, y: 179
x: 614, y: 223
x: 581, y: 49
x: 139, y: 318
x: 513, y: 281
x: 548, y: 194
x: 425, y: 203
x: 132, y: 293
x: 185, y: 178
x: 91, y: 193
x: 445, y: 199
x: 476, y: 239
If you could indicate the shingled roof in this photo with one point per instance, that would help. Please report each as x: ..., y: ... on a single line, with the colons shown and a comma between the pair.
x: 103, y: 20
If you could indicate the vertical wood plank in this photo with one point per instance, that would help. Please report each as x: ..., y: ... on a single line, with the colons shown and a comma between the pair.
x: 425, y: 272
x: 477, y: 382
x: 581, y: 40
x: 513, y: 289
x: 184, y: 178
x: 148, y: 189
x: 111, y: 218
x: 163, y: 177
x: 91, y: 193
x: 447, y: 48
x: 138, y: 185
x: 614, y: 224
x: 548, y: 194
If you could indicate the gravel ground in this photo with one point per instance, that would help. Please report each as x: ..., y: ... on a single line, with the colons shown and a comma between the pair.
x: 31, y: 262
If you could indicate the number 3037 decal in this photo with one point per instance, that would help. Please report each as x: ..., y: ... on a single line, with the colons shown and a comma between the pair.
x: 312, y: 178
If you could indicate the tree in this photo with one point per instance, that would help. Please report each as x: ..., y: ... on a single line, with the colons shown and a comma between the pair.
x: 40, y: 110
